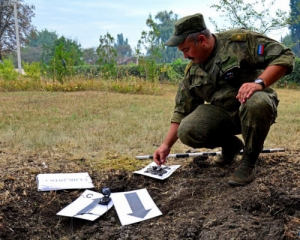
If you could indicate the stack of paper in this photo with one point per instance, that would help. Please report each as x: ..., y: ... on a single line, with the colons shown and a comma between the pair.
x: 60, y: 181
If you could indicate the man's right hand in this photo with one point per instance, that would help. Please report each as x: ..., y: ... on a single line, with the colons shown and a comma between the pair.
x: 160, y: 155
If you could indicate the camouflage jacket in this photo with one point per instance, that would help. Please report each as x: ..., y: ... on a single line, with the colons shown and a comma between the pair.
x: 239, y: 56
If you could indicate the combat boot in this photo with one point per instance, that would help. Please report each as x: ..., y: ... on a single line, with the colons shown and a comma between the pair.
x: 230, y: 149
x: 244, y: 174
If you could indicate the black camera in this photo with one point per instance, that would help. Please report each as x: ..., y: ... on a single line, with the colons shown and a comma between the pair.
x: 106, y: 198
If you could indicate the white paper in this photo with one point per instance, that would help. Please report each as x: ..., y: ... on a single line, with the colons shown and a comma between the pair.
x: 134, y: 206
x: 170, y: 169
x: 59, y: 181
x: 85, y: 201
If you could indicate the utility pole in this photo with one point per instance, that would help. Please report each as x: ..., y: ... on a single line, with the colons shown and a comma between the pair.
x: 17, y: 31
x: 17, y: 37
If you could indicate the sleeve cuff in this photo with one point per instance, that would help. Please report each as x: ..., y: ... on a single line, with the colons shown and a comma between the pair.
x: 177, y: 117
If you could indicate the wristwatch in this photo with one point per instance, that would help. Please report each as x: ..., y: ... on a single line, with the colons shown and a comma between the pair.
x: 260, y: 82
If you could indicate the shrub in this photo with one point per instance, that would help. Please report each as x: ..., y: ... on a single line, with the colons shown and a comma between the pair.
x: 33, y: 70
x: 293, y: 79
x: 7, y: 70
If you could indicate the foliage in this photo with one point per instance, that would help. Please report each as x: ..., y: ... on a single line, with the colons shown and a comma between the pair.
x: 30, y: 54
x: 293, y: 79
x: 39, y: 46
x: 295, y: 26
x: 107, y: 56
x: 129, y: 79
x: 126, y: 85
x: 33, y: 70
x: 149, y: 42
x: 166, y: 72
x: 255, y: 15
x: 148, y: 68
x: 130, y: 70
x: 67, y: 53
x: 90, y: 55
x: 7, y: 24
x: 41, y: 38
x: 123, y: 49
x: 61, y: 64
x: 46, y: 41
x: 172, y: 72
x: 165, y: 25
x: 87, y: 71
x: 153, y: 41
x: 287, y: 41
x: 7, y: 70
x: 69, y: 46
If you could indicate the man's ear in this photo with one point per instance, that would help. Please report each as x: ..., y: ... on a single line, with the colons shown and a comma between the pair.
x: 201, y: 39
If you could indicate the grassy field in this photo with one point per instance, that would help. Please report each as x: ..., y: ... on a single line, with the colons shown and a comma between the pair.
x: 109, y: 129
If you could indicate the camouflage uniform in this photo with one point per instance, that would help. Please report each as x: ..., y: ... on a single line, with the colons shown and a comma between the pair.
x: 206, y: 106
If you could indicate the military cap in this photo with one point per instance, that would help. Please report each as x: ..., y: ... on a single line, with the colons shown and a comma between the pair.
x: 184, y: 27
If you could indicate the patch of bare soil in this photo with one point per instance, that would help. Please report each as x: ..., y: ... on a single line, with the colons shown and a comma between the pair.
x: 196, y: 202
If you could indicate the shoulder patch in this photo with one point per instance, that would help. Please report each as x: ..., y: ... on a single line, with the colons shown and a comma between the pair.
x: 274, y: 49
x: 187, y: 68
x: 238, y: 37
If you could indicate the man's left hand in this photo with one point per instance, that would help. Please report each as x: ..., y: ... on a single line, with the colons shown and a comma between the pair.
x: 246, y: 91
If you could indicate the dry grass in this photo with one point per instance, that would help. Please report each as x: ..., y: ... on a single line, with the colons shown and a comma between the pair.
x: 78, y: 83
x: 286, y: 132
x: 109, y: 129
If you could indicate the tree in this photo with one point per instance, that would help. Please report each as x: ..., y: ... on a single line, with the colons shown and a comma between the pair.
x: 39, y: 47
x: 30, y: 54
x: 7, y: 24
x: 295, y: 25
x: 46, y: 41
x: 66, y: 54
x: 245, y: 15
x: 151, y: 41
x: 160, y: 30
x: 69, y: 46
x: 153, y: 47
x: 165, y: 26
x: 107, y: 56
x: 41, y: 38
x: 123, y: 48
x: 59, y: 65
x: 287, y: 40
x: 90, y: 55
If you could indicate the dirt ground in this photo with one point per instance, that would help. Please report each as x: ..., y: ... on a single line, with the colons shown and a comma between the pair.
x: 196, y: 202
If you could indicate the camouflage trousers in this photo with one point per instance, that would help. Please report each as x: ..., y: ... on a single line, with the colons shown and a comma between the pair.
x: 209, y: 126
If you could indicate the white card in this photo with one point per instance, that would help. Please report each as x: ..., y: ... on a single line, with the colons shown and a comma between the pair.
x: 134, y: 206
x: 166, y: 170
x: 86, y: 206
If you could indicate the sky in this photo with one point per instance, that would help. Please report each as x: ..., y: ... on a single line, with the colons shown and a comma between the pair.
x: 87, y: 20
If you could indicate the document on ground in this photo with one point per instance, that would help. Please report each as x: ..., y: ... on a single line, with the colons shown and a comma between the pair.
x: 86, y: 206
x: 60, y: 181
x: 159, y: 172
x: 134, y: 206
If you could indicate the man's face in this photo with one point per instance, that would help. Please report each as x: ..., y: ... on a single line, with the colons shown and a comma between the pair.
x: 191, y: 50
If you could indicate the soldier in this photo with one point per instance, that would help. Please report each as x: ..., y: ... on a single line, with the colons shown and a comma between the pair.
x: 226, y: 91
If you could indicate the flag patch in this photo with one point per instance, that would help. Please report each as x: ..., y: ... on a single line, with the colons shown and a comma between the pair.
x: 260, y: 49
